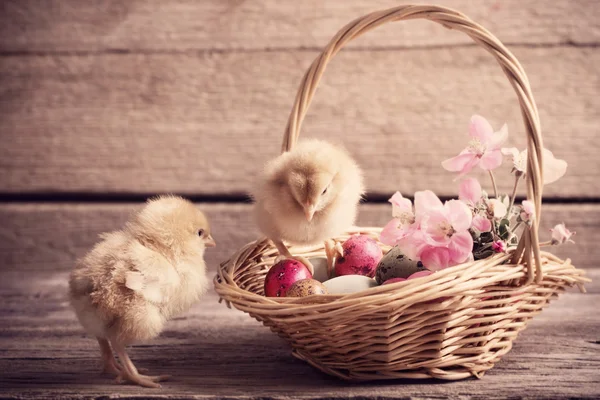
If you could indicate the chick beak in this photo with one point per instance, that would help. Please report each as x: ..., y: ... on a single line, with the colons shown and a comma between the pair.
x: 309, y: 211
x: 210, y: 242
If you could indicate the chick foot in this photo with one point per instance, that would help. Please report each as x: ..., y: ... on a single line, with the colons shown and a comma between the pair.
x: 110, y: 365
x: 284, y: 254
x: 129, y: 372
x: 142, y: 380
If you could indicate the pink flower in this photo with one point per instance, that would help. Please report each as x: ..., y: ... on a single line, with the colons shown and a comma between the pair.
x: 446, y: 235
x: 401, y: 207
x: 560, y: 234
x: 403, y: 223
x: 470, y: 191
x: 483, y: 149
x: 499, y: 246
x: 481, y: 223
x: 527, y: 210
x: 436, y: 258
x: 436, y: 233
x: 553, y: 168
x: 403, y: 230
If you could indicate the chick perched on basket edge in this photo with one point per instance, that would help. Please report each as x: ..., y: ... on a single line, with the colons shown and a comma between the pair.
x: 308, y: 195
x: 135, y: 279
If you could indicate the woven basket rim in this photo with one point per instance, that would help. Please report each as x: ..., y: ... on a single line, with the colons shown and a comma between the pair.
x: 515, y: 273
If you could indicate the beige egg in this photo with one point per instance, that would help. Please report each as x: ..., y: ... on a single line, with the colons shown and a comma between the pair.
x: 306, y: 287
x: 349, y: 284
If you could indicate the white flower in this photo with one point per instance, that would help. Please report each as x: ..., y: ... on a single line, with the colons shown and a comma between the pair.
x: 498, y: 208
x: 527, y: 210
x: 560, y: 234
x: 554, y: 169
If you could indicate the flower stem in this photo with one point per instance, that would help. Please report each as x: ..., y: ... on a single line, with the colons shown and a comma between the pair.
x: 514, y: 193
x: 516, y: 226
x: 493, y: 183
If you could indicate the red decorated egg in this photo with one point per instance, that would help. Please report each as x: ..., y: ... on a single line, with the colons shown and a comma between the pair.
x: 283, y: 275
x: 361, y: 256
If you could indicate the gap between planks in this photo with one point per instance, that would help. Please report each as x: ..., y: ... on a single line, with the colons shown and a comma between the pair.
x: 299, y: 49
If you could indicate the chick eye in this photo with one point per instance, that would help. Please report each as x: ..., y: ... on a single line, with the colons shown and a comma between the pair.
x: 201, y: 232
x: 324, y: 190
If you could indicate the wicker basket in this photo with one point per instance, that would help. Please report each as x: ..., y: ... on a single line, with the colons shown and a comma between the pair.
x: 403, y: 330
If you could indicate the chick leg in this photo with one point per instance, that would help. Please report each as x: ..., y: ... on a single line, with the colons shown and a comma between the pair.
x: 333, y: 250
x: 110, y: 365
x: 131, y: 374
x: 285, y: 253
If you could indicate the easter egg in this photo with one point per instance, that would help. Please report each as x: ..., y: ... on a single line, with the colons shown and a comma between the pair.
x: 283, y: 275
x: 349, y: 284
x: 420, y: 274
x: 396, y: 265
x: 393, y: 280
x: 361, y: 256
x: 306, y: 287
x: 320, y: 265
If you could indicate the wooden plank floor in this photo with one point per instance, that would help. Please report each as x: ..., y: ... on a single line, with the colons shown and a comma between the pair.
x: 214, y: 352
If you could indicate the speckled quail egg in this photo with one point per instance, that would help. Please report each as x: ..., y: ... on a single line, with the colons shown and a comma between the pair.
x: 306, y: 287
x: 396, y: 265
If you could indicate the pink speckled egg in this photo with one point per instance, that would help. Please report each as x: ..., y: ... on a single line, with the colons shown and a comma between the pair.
x: 420, y: 274
x: 393, y: 280
x: 283, y: 275
x: 361, y: 256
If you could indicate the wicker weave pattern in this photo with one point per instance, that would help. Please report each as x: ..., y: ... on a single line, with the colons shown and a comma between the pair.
x: 453, y: 324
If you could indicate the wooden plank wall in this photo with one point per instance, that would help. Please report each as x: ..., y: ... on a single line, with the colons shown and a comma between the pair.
x: 105, y: 102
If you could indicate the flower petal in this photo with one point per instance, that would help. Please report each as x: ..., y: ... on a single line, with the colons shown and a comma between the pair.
x: 391, y: 233
x: 498, y: 208
x: 426, y: 201
x: 560, y: 234
x: 461, y: 245
x: 462, y: 163
x: 498, y: 138
x: 400, y: 205
x: 412, y: 245
x: 491, y: 160
x: 554, y: 169
x: 527, y: 210
x: 435, y: 258
x: 480, y: 129
x: 481, y: 223
x: 510, y: 151
x: 458, y: 214
x: 470, y: 191
x: 431, y: 226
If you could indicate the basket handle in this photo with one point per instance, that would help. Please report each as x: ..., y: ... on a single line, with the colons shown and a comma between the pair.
x: 450, y: 19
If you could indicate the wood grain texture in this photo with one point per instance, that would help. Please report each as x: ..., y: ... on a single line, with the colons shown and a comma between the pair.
x: 181, y: 25
x: 52, y: 236
x: 202, y: 123
x: 214, y: 352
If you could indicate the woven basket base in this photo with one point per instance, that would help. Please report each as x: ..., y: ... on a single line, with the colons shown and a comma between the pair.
x: 454, y: 324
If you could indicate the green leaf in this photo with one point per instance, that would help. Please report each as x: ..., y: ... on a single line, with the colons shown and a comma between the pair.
x: 504, y: 229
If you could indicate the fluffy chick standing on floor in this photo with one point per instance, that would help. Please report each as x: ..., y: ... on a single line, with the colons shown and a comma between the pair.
x: 308, y: 195
x: 134, y: 280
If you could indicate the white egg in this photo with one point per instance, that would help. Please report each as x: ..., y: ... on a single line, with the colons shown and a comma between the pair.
x: 349, y: 284
x: 320, y: 264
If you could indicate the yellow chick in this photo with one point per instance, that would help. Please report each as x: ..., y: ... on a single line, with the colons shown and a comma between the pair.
x: 308, y: 195
x: 135, y: 279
